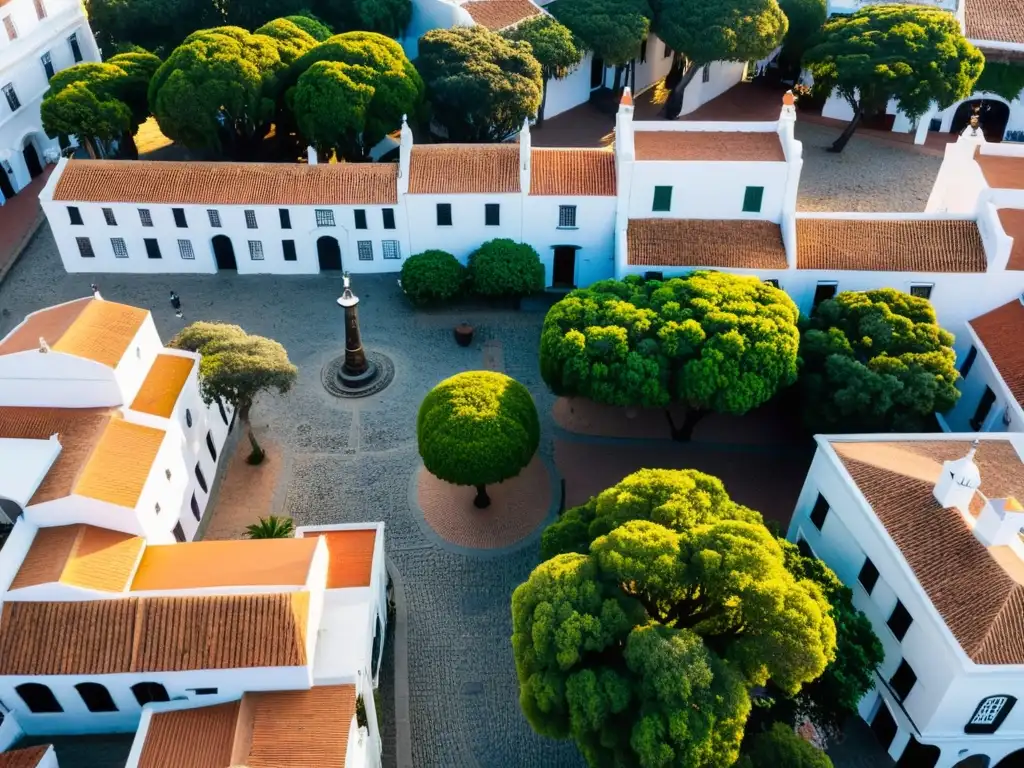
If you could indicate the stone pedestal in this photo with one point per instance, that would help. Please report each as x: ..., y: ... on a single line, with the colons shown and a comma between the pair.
x: 357, y: 371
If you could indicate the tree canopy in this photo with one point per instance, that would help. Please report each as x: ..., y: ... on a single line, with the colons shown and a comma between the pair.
x: 876, y: 361
x: 554, y: 48
x: 156, y: 25
x: 806, y: 19
x: 503, y: 267
x: 781, y: 746
x: 912, y: 54
x: 291, y: 39
x: 612, y: 29
x: 716, y: 341
x: 481, y: 85
x: 311, y: 26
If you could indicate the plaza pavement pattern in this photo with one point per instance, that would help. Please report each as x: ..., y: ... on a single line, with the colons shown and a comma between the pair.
x: 356, y: 460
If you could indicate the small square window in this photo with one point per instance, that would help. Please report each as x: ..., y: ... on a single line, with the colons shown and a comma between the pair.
x: 705, y: 74
x: 567, y: 217
x: 256, y: 250
x: 152, y: 248
x: 903, y: 681
x: 444, y: 214
x: 185, y: 249
x: 868, y: 575
x: 388, y: 215
x: 250, y: 219
x: 820, y: 512
x: 12, y: 97
x: 752, y: 198
x: 85, y: 248
x: 179, y: 217
x: 286, y: 218
x: 899, y: 621
x: 965, y: 369
x: 773, y: 282
x: 824, y: 292
x: 47, y: 64
x: 145, y: 217
x: 75, y: 215
x: 76, y: 50
x: 492, y: 214
x: 662, y: 199
x: 922, y: 290
x: 360, y: 217
x: 120, y: 249
x: 324, y: 217
x: 214, y: 218
x: 365, y: 248
x: 288, y: 246
x: 391, y: 249
x: 108, y: 216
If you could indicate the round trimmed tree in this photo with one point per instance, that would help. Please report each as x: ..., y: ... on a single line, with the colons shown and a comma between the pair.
x: 503, y: 267
x: 477, y: 428
x: 432, y: 277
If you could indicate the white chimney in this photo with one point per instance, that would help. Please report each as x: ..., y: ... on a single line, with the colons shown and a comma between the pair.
x: 311, y: 156
x: 624, y: 127
x: 404, y: 156
x: 999, y: 522
x: 958, y: 482
x: 524, y: 156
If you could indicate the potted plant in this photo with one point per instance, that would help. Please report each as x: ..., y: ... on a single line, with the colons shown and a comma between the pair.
x: 464, y: 334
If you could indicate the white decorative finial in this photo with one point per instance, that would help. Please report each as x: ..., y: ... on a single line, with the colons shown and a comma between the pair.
x: 43, y: 346
x: 405, y: 119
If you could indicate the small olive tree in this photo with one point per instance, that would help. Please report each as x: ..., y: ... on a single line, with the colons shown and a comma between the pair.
x: 477, y: 428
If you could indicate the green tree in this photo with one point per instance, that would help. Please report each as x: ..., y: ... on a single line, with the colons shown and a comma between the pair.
x: 554, y: 48
x: 311, y: 26
x: 236, y: 367
x: 806, y: 19
x: 387, y: 17
x: 432, y: 277
x: 481, y: 85
x: 503, y: 267
x: 272, y: 527
x: 781, y: 746
x: 912, y: 54
x: 477, y: 428
x: 84, y: 101
x: 876, y: 361
x: 292, y: 41
x: 612, y: 29
x: 156, y: 25
x: 718, y: 342
x: 351, y: 91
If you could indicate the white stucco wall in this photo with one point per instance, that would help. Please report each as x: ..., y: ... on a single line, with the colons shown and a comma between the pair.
x: 467, y: 231
x: 1006, y: 414
x: 32, y: 379
x: 722, y: 75
x: 595, y: 217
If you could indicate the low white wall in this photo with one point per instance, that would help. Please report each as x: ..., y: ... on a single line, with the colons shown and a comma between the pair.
x: 593, y: 236
x: 722, y: 75
x: 467, y: 231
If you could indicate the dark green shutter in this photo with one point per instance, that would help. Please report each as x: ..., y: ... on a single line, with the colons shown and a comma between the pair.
x: 663, y: 198
x: 752, y: 199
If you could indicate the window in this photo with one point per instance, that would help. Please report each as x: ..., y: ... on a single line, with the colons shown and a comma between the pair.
x: 75, y: 215
x: 921, y: 290
x: 773, y: 282
x: 40, y: 9
x: 360, y: 216
x: 250, y: 218
x: 85, y: 248
x: 567, y: 217
x: 203, y: 691
x: 968, y: 362
x: 662, y: 199
x: 444, y: 214
x: 96, y: 697
x: 195, y: 508
x: 643, y: 51
x: 288, y: 246
x: 256, y: 250
x: 223, y: 413
x: 903, y: 681
x: 179, y: 217
x: 145, y: 217
x: 820, y: 512
x: 868, y: 575
x: 492, y: 214
x: 324, y: 217
x: 804, y: 547
x: 214, y: 218
x: 990, y: 714
x: 705, y: 74
x: 388, y: 214
x: 201, y: 478
x: 12, y: 31
x: 188, y: 418
x: 668, y: 51
x: 824, y: 292
x: 988, y: 399
x: 210, y: 446
x: 152, y: 248
x: 120, y: 249
x: 76, y: 49
x: 286, y: 218
x: 47, y: 64
x: 38, y: 698
x: 391, y: 249
x: 149, y: 692
x: 108, y: 216
x: 185, y: 250
x: 12, y: 97
x: 752, y: 198
x: 899, y: 621
x: 179, y: 533
x: 365, y: 248
x: 596, y: 73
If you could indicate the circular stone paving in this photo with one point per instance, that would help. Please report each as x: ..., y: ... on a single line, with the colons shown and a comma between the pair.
x: 518, y: 507
x: 385, y: 374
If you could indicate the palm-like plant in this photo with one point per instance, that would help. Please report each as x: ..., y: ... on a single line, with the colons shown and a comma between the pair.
x: 272, y: 527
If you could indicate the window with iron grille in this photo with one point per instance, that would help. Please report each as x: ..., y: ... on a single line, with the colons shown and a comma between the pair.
x: 324, y: 217
x: 391, y: 249
x: 360, y: 217
x: 108, y: 216
x: 47, y: 64
x: 12, y: 97
x: 922, y: 290
x: 85, y: 248
x: 365, y: 250
x: 185, y: 249
x: 288, y: 246
x: 12, y: 31
x: 705, y: 74
x: 120, y: 249
x: 250, y: 219
x: 990, y: 714
x: 567, y: 216
x: 40, y: 9
x: 388, y: 215
x: 214, y: 218
x: 76, y: 50
x: 256, y: 250
x: 75, y: 215
x: 179, y: 217
x: 145, y: 217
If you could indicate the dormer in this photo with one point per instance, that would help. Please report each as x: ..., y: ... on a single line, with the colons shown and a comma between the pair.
x: 999, y: 522
x: 958, y: 482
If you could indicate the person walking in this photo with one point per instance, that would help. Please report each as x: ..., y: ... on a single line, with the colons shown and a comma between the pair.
x: 176, y: 303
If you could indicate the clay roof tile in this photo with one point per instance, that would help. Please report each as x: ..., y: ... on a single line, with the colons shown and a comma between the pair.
x: 446, y: 169
x: 994, y: 20
x: 351, y: 556
x: 163, y: 384
x: 708, y: 146
x: 29, y: 757
x: 499, y: 14
x: 81, y: 556
x: 1001, y: 331
x: 730, y: 243
x: 582, y: 172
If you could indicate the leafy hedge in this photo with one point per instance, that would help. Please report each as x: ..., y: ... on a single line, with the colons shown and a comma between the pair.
x: 1002, y: 78
x: 432, y: 276
x: 503, y: 267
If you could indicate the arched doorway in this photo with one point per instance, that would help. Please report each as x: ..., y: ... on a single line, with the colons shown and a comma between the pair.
x: 328, y: 253
x: 6, y: 185
x: 994, y: 116
x: 35, y: 167
x: 10, y: 509
x: 1012, y: 760
x: 224, y: 252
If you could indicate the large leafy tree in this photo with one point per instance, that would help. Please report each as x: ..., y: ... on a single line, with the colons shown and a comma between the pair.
x: 388, y: 17
x: 481, y: 85
x: 554, y: 48
x: 292, y: 41
x: 236, y: 367
x: 156, y: 25
x: 612, y: 29
x: 876, y: 361
x: 781, y: 746
x: 718, y: 342
x: 913, y: 54
x: 806, y: 18
x: 311, y: 26
x: 350, y: 91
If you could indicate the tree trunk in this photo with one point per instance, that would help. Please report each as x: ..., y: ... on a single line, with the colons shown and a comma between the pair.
x: 482, y: 500
x: 675, y: 72
x: 618, y: 82
x: 684, y: 433
x: 90, y: 147
x: 674, y: 104
x: 632, y: 77
x: 257, y: 453
x: 844, y: 137
x: 543, y: 103
x: 127, y: 147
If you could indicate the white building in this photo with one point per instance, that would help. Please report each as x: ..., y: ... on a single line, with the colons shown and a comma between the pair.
x: 925, y: 530
x: 39, y: 38
x: 101, y: 424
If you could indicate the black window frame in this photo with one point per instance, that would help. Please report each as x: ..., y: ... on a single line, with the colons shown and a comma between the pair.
x: 868, y: 575
x: 148, y: 692
x: 364, y: 250
x: 324, y: 217
x: 903, y: 677
x: 359, y: 216
x: 804, y: 547
x: 643, y: 51
x: 12, y: 97
x: 899, y: 621
x: 819, y: 513
x: 821, y: 288
x: 928, y: 287
x: 185, y: 249
x: 391, y: 250
x: 210, y: 446
x: 567, y: 217
x: 992, y: 727
x: 984, y: 409
x: 203, y: 691
x: 256, y: 252
x: 47, y: 61
x: 40, y: 699
x: 250, y: 219
x: 214, y: 216
x: 180, y: 220
x: 85, y: 249
x: 109, y: 217
x: 388, y: 217
x: 662, y: 202
x: 75, y: 216
x: 965, y: 368
x: 119, y: 247
x: 201, y: 478
x: 444, y: 214
x: 188, y: 418
x: 179, y: 533
x: 152, y: 248
x: 705, y: 74
x: 76, y: 49
x: 753, y: 199
x: 145, y: 217
x: 492, y: 214
x: 288, y: 249
x: 96, y: 697
x: 194, y: 505
x: 285, y: 217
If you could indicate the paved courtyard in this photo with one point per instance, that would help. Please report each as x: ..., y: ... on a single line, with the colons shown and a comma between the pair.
x: 348, y: 461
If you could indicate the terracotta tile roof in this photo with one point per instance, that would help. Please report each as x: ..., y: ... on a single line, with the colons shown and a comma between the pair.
x: 201, y: 737
x: 23, y: 758
x: 1012, y: 220
x: 889, y: 246
x: 163, y: 384
x: 451, y: 169
x: 142, y: 181
x: 996, y: 20
x: 498, y: 14
x: 351, y: 556
x: 120, y: 463
x: 735, y: 243
x: 81, y: 556
x: 199, y: 564
x: 707, y: 146
x: 96, y: 330
x: 897, y: 479
x: 78, y: 430
x: 1001, y: 171
x: 1001, y: 331
x: 157, y: 634
x: 585, y: 172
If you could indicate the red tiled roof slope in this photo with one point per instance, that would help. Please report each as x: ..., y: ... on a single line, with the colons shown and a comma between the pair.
x: 499, y: 14
x: 1002, y: 333
x: 1012, y: 220
x: 581, y: 172
x: 1001, y: 171
x: 350, y: 555
x: 201, y: 737
x: 733, y: 243
x: 23, y: 758
x: 994, y: 20
x: 708, y: 146
x: 447, y: 169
